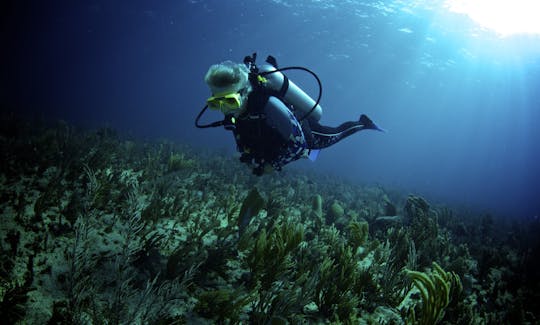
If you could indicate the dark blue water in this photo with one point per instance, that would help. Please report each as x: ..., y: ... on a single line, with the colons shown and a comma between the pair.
x: 461, y: 105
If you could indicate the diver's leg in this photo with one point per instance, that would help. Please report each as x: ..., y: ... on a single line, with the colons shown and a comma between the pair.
x: 325, y: 136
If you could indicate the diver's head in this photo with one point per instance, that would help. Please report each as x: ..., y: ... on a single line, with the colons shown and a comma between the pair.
x: 229, y: 84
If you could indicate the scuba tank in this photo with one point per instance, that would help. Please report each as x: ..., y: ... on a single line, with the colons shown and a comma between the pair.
x: 292, y: 94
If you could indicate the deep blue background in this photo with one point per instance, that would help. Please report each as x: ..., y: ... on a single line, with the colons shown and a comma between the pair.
x: 461, y: 105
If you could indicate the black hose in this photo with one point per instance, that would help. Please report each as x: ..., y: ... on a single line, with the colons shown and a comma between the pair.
x: 210, y: 125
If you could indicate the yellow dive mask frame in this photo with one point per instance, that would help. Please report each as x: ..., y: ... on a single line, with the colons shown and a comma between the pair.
x: 225, y: 103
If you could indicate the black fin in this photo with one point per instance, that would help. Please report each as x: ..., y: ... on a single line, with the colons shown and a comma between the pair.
x: 368, y: 123
x: 365, y: 121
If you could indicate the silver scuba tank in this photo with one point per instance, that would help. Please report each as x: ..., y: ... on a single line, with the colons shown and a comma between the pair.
x: 294, y: 96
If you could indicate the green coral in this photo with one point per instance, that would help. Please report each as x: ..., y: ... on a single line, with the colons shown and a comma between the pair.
x: 279, y: 290
x: 435, y: 288
x: 14, y: 293
x: 335, y: 290
x: 339, y: 280
x: 316, y: 206
x: 424, y: 230
x: 359, y: 232
x: 336, y: 211
x: 252, y: 205
x: 179, y: 161
x: 270, y: 256
x: 221, y: 305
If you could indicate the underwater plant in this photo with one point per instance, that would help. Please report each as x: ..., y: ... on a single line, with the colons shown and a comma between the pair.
x: 435, y: 289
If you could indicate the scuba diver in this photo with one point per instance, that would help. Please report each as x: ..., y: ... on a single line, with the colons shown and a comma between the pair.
x: 273, y: 121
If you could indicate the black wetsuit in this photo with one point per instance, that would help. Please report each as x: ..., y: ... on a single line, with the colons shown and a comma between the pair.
x: 320, y: 136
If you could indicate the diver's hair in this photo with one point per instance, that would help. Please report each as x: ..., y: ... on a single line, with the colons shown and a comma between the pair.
x: 227, y: 76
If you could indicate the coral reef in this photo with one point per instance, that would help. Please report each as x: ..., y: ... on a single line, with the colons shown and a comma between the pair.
x: 97, y: 228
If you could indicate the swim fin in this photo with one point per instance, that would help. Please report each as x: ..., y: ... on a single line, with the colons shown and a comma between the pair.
x: 368, y: 123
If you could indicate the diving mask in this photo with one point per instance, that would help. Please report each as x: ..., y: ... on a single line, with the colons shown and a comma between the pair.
x: 225, y: 103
